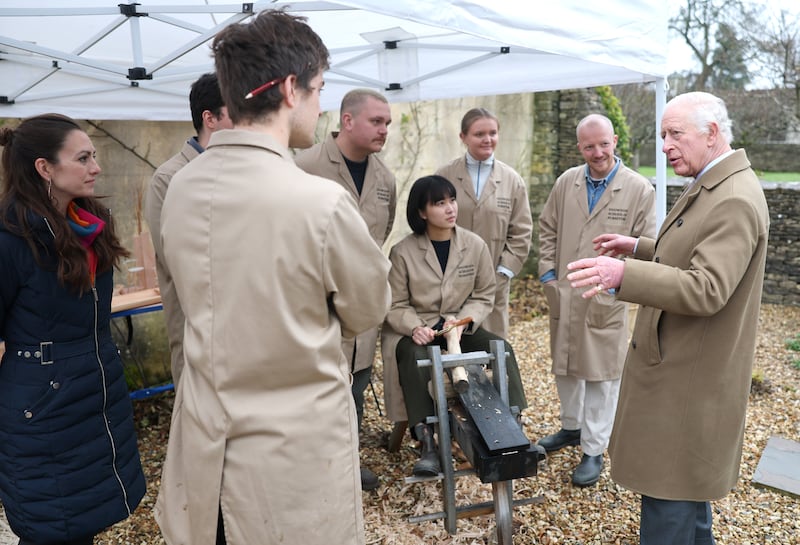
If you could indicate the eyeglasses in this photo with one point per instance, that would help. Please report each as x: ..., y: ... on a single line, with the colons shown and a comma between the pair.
x: 261, y: 88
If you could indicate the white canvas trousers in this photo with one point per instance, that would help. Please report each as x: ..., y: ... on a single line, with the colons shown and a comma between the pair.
x: 589, y: 406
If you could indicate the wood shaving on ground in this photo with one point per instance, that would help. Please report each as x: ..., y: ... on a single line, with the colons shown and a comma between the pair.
x: 601, y: 514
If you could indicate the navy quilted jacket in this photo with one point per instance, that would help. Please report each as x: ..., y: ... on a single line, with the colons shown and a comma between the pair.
x: 69, y: 462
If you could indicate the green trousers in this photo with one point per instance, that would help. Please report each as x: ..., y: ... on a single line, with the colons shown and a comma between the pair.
x: 414, y: 379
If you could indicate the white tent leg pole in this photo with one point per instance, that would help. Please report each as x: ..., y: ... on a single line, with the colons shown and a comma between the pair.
x: 661, y: 159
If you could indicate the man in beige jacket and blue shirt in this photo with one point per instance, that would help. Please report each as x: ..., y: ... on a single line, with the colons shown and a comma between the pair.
x: 349, y: 158
x: 588, y: 338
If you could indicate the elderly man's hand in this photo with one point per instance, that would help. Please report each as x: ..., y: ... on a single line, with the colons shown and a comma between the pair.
x: 614, y: 245
x: 601, y: 273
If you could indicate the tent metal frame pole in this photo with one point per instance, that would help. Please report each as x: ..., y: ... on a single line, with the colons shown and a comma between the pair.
x: 661, y: 160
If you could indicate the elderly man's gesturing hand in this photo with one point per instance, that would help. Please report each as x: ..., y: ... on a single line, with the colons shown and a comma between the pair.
x: 601, y: 273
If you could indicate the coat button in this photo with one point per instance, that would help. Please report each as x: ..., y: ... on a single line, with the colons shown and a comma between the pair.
x: 633, y: 344
x: 28, y: 414
x: 37, y: 354
x: 55, y: 385
x: 680, y: 222
x: 27, y: 354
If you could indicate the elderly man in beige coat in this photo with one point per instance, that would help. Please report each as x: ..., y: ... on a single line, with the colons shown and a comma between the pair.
x: 349, y: 158
x: 680, y: 420
x: 209, y: 115
x: 272, y: 267
x: 588, y: 338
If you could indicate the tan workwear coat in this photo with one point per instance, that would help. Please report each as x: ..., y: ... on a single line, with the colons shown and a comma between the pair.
x: 681, y: 413
x: 377, y: 204
x: 422, y: 294
x: 272, y: 267
x: 154, y: 199
x: 589, y: 337
x: 502, y: 218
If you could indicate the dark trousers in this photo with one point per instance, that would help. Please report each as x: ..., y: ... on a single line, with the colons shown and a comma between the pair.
x: 83, y: 541
x: 220, y: 529
x: 414, y: 379
x: 668, y: 522
x: 360, y: 383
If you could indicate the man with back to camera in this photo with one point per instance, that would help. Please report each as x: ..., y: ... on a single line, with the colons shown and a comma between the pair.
x: 588, y: 338
x: 679, y: 428
x: 272, y: 266
x: 349, y: 158
x: 209, y: 115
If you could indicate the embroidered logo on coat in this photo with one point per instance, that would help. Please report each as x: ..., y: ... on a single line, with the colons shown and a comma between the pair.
x: 384, y: 194
x: 617, y: 215
x: 504, y: 203
x: 464, y: 271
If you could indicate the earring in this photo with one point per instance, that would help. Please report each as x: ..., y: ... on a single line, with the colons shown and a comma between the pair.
x: 49, y: 188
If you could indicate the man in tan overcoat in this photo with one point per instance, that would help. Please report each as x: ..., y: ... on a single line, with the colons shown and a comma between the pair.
x: 680, y: 420
x: 209, y: 115
x: 588, y: 338
x: 349, y: 158
x: 272, y: 267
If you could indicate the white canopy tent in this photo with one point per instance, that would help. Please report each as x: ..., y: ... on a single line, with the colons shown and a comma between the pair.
x: 107, y: 59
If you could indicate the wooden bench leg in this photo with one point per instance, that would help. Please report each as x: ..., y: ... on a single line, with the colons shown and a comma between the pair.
x: 396, y: 437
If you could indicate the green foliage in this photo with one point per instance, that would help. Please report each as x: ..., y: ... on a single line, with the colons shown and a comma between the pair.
x: 615, y: 114
x: 794, y: 344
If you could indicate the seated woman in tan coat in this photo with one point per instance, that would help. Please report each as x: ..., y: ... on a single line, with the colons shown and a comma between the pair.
x: 438, y: 270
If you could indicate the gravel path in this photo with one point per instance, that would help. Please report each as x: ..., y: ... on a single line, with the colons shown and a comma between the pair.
x: 601, y: 515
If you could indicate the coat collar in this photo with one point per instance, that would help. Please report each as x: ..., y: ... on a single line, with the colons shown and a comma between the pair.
x: 736, y: 162
x: 458, y: 246
x: 238, y: 137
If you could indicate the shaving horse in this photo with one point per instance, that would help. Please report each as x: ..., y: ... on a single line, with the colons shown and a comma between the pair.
x: 475, y: 412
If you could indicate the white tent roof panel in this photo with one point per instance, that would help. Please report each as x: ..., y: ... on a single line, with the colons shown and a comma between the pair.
x: 78, y: 60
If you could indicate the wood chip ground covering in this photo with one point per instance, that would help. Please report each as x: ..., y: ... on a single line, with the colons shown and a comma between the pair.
x: 602, y: 514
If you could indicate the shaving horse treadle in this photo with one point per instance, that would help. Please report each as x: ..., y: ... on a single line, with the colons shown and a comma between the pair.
x: 488, y: 433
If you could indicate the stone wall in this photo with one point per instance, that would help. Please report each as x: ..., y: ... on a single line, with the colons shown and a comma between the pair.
x: 782, y: 274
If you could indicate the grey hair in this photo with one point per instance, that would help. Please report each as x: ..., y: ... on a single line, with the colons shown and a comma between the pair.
x: 706, y: 109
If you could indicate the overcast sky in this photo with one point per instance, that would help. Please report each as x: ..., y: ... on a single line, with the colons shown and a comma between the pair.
x: 679, y: 56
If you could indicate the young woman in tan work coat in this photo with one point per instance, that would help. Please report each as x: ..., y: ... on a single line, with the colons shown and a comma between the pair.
x: 424, y: 295
x: 272, y: 267
x: 499, y: 212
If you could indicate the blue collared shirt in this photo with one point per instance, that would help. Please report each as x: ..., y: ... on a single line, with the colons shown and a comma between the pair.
x: 596, y: 188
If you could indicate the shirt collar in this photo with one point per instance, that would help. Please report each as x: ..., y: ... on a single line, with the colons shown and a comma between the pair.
x: 607, y: 179
x: 195, y: 144
x: 471, y: 161
x: 712, y: 163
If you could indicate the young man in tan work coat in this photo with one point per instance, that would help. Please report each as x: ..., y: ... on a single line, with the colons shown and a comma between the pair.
x: 349, y: 158
x: 500, y: 213
x: 588, y: 338
x: 209, y: 115
x: 680, y: 420
x: 272, y: 267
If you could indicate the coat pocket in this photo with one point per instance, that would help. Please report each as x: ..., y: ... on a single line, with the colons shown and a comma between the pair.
x: 553, y: 299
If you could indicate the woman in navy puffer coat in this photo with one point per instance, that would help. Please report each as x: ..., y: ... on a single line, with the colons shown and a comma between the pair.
x: 69, y: 463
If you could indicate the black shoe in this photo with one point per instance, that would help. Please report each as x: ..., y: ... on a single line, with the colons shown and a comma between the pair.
x: 563, y: 438
x: 588, y: 471
x: 428, y: 463
x: 369, y: 481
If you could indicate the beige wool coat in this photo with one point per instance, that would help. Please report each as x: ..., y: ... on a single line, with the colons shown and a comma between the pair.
x: 589, y: 337
x: 681, y: 413
x: 154, y: 200
x: 272, y: 266
x: 502, y: 218
x: 377, y: 205
x: 422, y: 294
